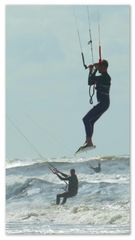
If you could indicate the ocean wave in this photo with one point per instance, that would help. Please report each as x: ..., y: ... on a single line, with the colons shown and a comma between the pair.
x: 19, y: 190
x: 12, y: 163
x: 103, y: 198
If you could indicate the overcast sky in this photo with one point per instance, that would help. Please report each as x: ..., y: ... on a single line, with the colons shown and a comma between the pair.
x: 46, y: 84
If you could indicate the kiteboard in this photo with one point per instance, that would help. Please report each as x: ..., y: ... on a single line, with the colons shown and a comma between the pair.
x: 85, y: 148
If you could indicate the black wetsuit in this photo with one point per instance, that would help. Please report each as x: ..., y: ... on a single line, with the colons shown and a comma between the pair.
x: 102, y: 83
x: 72, y: 187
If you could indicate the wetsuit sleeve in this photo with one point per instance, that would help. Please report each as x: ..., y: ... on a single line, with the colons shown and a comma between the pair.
x: 63, y: 174
x: 92, y: 78
x: 63, y: 178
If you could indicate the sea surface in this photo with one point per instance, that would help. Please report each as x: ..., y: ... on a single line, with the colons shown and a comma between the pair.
x: 102, y: 205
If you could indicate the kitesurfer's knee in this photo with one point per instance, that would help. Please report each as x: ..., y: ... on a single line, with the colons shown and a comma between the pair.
x: 85, y: 120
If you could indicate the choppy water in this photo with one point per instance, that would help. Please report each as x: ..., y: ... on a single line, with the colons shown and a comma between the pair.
x: 102, y: 205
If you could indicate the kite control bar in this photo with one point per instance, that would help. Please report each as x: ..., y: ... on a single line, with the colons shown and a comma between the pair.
x: 84, y: 61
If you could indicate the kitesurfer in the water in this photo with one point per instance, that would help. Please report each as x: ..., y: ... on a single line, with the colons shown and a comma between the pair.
x: 96, y: 169
x: 72, y: 185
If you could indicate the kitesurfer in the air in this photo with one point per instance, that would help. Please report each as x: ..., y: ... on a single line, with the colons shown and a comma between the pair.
x: 72, y: 185
x: 102, y: 85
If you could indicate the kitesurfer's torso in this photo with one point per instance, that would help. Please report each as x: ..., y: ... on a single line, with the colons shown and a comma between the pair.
x: 103, y: 87
x: 73, y: 184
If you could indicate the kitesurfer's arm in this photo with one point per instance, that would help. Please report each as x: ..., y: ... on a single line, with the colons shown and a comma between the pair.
x: 62, y: 178
x: 63, y: 174
x: 92, y: 77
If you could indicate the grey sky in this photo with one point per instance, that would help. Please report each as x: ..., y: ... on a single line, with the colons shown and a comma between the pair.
x: 46, y: 84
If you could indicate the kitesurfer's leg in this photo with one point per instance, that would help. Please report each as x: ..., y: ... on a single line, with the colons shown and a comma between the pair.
x: 99, y: 110
x: 89, y: 125
x: 62, y: 195
x: 64, y: 200
x: 90, y: 118
x: 65, y: 195
x: 58, y: 199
